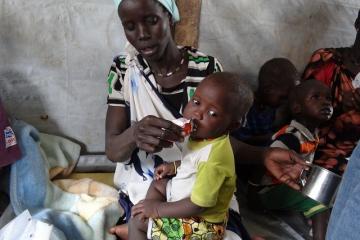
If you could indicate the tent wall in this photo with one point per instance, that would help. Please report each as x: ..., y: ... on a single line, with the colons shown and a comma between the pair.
x: 55, y: 54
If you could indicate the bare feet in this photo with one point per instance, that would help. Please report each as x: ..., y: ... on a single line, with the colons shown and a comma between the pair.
x: 122, y: 231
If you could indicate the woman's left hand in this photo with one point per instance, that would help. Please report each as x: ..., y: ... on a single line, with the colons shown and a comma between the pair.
x: 285, y: 165
x: 146, y: 209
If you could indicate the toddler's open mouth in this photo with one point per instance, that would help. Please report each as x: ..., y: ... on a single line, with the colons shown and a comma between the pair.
x: 193, y: 126
x: 188, y: 125
x: 327, y: 111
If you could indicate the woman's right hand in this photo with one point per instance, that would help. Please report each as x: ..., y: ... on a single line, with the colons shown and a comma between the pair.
x: 152, y: 134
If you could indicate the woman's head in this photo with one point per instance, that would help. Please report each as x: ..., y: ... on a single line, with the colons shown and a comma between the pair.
x: 147, y: 25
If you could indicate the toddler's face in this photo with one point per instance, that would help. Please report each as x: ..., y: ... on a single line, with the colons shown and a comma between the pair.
x: 317, y: 103
x: 209, y: 110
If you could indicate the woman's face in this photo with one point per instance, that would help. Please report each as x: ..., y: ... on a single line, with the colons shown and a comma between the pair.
x: 146, y: 26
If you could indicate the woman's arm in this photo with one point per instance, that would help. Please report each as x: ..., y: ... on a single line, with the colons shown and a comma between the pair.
x: 285, y: 165
x: 247, y: 154
x: 119, y: 139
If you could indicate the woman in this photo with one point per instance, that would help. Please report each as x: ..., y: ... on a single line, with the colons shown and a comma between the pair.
x: 339, y: 68
x: 147, y: 88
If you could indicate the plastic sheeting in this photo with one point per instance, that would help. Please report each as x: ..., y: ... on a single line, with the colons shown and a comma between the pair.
x: 55, y: 54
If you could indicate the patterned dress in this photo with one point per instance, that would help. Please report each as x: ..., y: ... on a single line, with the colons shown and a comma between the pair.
x: 186, y: 229
x: 338, y: 137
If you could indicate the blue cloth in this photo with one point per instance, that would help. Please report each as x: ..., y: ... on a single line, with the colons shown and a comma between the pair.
x: 29, y: 184
x: 259, y: 121
x: 31, y: 188
x: 126, y: 204
x: 170, y: 5
x: 28, y: 171
x: 344, y: 217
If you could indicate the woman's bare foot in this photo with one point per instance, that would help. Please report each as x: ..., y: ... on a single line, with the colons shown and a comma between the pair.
x: 122, y: 231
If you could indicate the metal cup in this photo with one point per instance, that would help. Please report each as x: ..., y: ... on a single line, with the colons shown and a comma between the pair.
x: 320, y: 184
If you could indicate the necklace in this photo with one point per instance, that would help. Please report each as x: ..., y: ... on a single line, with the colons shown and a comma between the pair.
x: 170, y: 73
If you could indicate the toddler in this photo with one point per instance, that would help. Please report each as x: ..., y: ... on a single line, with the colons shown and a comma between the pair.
x: 310, y: 105
x: 195, y: 201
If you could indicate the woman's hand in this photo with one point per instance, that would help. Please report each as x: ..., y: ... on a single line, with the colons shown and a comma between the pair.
x: 285, y: 165
x: 153, y: 134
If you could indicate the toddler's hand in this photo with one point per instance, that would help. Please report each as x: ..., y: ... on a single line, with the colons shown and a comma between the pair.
x: 147, y: 208
x: 165, y: 169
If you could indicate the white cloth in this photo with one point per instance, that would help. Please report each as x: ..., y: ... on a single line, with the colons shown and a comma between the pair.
x: 142, y: 101
x: 24, y: 227
x: 170, y: 5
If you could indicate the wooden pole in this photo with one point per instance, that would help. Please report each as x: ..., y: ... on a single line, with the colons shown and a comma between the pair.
x: 187, y: 30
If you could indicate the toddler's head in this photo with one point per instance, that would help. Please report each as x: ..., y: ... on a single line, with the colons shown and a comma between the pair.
x: 276, y: 77
x: 310, y: 103
x: 218, y: 104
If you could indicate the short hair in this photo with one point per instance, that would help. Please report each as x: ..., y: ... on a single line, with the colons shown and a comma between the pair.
x: 239, y: 93
x: 298, y: 93
x: 276, y: 73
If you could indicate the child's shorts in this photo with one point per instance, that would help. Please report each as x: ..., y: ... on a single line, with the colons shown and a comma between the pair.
x: 282, y: 197
x: 184, y: 228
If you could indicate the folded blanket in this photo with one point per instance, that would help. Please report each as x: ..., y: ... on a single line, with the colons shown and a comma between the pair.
x: 66, y: 206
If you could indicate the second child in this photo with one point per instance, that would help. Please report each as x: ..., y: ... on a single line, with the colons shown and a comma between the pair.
x: 310, y: 104
x: 268, y: 112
